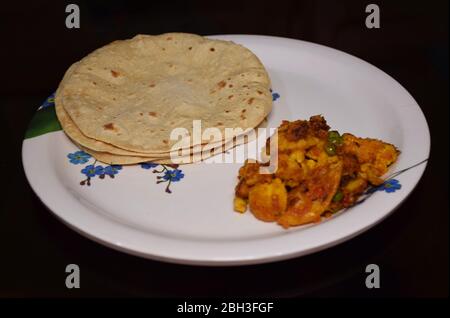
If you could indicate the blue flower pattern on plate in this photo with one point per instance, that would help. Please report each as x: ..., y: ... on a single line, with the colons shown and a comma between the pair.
x: 78, y: 157
x: 50, y: 101
x: 148, y: 165
x: 112, y: 170
x: 275, y: 96
x: 165, y: 174
x: 173, y: 175
x: 91, y: 171
x: 389, y: 186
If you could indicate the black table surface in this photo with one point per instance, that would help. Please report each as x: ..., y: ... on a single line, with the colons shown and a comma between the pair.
x: 410, y: 247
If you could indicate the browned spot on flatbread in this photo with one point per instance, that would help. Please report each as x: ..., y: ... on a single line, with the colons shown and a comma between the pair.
x: 142, y: 114
x: 221, y: 84
x: 227, y: 111
x: 230, y: 97
x: 243, y: 111
x: 190, y: 48
x: 152, y: 85
x: 259, y: 92
x: 245, y: 86
x: 212, y: 49
x: 109, y: 126
x: 169, y: 38
x: 230, y: 86
x: 153, y: 114
x: 165, y: 141
x: 250, y: 101
x: 114, y: 73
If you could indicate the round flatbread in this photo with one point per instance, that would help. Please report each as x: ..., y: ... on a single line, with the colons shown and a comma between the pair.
x: 131, y: 94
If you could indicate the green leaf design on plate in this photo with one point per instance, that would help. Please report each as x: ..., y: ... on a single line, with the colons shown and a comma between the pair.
x: 44, y: 121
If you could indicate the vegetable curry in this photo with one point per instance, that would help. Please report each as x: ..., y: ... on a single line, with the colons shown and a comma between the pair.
x: 319, y: 173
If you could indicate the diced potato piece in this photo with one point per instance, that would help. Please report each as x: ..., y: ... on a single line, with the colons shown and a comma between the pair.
x: 240, y: 205
x: 356, y: 186
x: 268, y: 200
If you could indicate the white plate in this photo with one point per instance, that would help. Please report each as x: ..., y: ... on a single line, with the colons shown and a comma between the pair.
x: 195, y: 224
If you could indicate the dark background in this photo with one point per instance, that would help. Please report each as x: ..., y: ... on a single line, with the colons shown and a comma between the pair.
x: 411, y: 246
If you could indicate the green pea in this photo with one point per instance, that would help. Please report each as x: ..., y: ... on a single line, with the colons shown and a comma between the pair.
x: 330, y: 149
x: 333, y: 134
x: 338, y: 196
x: 335, y: 138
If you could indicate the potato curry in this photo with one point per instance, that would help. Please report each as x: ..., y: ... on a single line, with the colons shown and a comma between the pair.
x: 319, y: 172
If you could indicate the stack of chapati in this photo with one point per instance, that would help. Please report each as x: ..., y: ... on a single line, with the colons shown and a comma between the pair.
x: 121, y: 102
